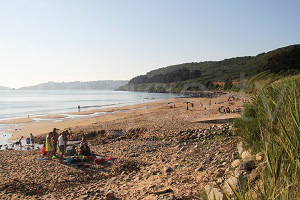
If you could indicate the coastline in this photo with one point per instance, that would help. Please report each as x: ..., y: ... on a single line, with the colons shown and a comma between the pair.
x: 25, y: 126
x: 81, y: 121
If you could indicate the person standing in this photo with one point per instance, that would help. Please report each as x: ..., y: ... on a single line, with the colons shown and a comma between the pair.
x: 31, y: 139
x: 55, y: 139
x: 49, y: 145
x: 62, y: 143
x: 20, y: 141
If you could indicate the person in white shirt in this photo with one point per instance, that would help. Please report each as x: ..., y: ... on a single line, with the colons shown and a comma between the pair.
x: 62, y: 144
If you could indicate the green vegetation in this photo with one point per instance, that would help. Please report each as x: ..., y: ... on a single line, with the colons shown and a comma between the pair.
x: 203, y: 75
x: 271, y: 124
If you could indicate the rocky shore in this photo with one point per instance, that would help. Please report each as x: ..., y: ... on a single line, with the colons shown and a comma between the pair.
x: 168, y: 153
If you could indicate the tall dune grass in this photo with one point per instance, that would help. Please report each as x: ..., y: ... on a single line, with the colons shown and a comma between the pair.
x: 271, y: 124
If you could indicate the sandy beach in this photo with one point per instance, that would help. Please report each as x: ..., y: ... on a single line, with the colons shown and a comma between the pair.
x: 25, y: 126
x: 154, y: 158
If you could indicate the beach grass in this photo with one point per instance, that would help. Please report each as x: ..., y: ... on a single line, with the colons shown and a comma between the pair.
x: 271, y: 124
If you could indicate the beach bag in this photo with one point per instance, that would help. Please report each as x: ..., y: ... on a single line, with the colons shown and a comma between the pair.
x: 28, y: 141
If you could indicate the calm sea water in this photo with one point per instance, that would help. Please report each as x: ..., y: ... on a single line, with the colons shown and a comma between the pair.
x: 21, y: 103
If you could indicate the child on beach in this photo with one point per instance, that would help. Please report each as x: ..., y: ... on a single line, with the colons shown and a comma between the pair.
x: 43, y: 151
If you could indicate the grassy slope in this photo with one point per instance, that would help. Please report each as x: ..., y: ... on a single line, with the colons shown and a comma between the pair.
x: 274, y: 61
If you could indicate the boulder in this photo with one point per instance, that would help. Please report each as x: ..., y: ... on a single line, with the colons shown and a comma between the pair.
x: 232, y: 181
x: 248, y: 164
x: 260, y: 157
x: 213, y: 193
x: 246, y: 154
x: 235, y: 163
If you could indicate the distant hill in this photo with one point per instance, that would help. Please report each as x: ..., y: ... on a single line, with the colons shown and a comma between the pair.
x: 77, y: 85
x: 174, y: 78
x: 4, y: 88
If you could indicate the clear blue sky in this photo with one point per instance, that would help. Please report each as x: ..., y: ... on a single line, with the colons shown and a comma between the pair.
x: 68, y: 40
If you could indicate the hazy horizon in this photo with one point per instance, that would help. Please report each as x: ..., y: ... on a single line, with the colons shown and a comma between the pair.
x: 65, y: 41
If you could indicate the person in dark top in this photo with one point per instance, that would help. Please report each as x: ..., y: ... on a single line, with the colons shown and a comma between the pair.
x: 85, y: 150
x: 20, y: 141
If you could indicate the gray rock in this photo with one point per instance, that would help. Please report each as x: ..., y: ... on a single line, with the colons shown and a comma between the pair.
x: 235, y: 163
x: 240, y: 148
x: 213, y: 193
x: 234, y: 182
x: 247, y: 164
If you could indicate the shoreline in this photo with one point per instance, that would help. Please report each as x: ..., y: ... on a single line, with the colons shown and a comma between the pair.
x: 25, y: 126
x: 82, y: 121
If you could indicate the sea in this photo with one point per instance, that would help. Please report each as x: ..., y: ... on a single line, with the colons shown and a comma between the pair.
x: 31, y: 103
x: 24, y: 103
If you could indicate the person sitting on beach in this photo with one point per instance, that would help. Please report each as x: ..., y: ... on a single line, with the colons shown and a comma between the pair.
x: 43, y: 151
x: 31, y: 139
x: 85, y: 150
x: 49, y: 145
x: 62, y: 144
x: 72, y: 152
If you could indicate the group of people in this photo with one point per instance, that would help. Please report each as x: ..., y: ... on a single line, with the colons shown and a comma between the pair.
x: 29, y: 140
x: 55, y: 141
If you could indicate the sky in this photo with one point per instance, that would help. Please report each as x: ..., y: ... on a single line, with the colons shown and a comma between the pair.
x: 72, y: 40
